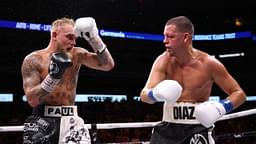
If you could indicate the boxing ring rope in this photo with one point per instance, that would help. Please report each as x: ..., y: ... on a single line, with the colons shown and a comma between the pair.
x: 134, y: 124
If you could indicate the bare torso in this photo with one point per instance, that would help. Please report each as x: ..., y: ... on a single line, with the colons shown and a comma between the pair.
x: 194, y: 77
x: 64, y: 93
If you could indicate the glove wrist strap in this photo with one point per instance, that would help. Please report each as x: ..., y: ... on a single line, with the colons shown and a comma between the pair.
x: 100, y: 51
x: 227, y: 105
x: 151, y: 95
x: 97, y: 44
x: 49, y: 83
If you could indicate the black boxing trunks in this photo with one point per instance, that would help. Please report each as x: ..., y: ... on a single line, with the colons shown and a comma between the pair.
x: 179, y: 126
x: 55, y: 125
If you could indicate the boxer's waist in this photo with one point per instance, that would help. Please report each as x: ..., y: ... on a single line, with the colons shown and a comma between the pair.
x: 182, y: 112
x: 55, y: 111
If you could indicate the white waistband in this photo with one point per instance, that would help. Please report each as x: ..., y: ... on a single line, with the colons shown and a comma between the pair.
x: 59, y: 111
x: 182, y: 112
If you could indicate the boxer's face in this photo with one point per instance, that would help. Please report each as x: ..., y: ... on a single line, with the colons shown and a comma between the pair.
x: 65, y: 37
x: 173, y: 39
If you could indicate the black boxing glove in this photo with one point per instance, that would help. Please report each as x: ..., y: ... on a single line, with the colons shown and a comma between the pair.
x: 58, y: 64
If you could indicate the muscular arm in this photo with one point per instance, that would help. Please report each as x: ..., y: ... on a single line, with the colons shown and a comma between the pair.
x: 86, y: 27
x: 227, y: 83
x: 32, y: 81
x: 104, y: 59
x: 157, y: 74
x: 100, y: 61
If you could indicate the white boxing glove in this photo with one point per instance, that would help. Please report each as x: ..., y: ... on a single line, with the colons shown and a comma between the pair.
x: 207, y: 113
x: 167, y: 90
x: 86, y: 27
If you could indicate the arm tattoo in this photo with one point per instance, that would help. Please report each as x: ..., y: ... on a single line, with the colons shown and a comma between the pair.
x: 41, y: 94
x: 31, y: 77
x: 103, y: 56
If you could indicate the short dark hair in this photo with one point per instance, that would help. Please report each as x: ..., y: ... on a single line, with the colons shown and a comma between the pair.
x: 182, y: 23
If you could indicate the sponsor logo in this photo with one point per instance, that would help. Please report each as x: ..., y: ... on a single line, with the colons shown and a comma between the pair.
x: 198, y: 139
x: 54, y: 69
x: 31, y: 127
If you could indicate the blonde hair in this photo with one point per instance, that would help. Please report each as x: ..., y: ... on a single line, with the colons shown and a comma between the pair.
x: 59, y: 22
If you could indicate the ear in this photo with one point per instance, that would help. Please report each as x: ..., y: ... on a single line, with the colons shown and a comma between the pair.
x: 186, y: 37
x: 54, y: 35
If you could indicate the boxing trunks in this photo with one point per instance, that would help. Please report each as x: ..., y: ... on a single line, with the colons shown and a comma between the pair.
x: 55, y: 125
x: 179, y: 126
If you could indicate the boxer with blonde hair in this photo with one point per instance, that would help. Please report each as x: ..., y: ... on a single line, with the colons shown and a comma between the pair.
x: 50, y: 78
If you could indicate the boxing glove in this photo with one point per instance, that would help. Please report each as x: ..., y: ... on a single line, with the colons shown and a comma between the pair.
x: 86, y: 28
x: 207, y: 113
x: 58, y: 64
x: 167, y: 90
